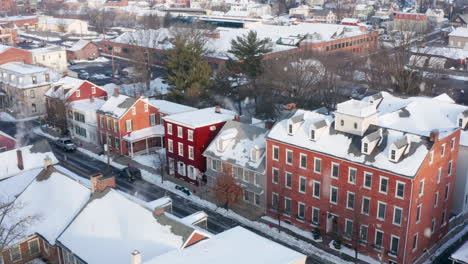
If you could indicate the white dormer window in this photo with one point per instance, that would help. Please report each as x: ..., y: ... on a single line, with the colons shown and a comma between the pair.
x: 365, y: 148
x: 220, y: 144
x: 393, y: 155
x: 342, y: 122
x: 77, y: 93
x: 312, y: 134
x: 290, y: 129
x: 460, y: 122
x: 133, y: 110
x: 253, y: 154
x: 93, y: 90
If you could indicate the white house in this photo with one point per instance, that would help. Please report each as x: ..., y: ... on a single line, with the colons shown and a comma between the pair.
x: 53, y: 57
x: 82, y: 121
x: 62, y: 25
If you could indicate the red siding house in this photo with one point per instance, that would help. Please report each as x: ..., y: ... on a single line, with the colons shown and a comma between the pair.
x: 7, y: 142
x: 187, y: 137
x: 82, y: 50
x: 375, y: 171
x: 11, y: 54
x: 132, y: 125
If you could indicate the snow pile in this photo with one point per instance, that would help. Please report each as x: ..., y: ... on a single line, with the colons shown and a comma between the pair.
x: 170, y: 108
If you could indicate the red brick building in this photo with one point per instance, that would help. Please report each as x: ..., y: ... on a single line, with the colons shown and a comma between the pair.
x: 187, y: 135
x: 133, y: 124
x: 361, y: 175
x: 23, y: 22
x: 7, y: 142
x: 11, y: 54
x: 82, y: 50
x: 116, y: 3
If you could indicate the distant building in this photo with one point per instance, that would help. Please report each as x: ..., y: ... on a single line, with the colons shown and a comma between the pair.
x: 302, y: 11
x: 412, y: 22
x: 62, y: 25
x: 435, y: 15
x: 323, y: 16
x: 8, y: 35
x: 459, y: 38
x: 461, y: 20
x: 12, y: 54
x: 53, y: 57
x: 82, y: 50
x: 23, y: 22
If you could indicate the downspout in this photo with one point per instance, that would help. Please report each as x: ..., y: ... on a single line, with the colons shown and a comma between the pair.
x: 407, y: 222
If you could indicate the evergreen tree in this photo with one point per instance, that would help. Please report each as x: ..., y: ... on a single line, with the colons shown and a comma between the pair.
x: 167, y: 20
x: 188, y: 75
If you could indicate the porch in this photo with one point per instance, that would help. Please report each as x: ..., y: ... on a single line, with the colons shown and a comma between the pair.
x: 144, y: 141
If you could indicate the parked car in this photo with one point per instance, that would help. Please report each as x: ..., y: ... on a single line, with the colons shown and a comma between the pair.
x: 183, y: 189
x: 66, y: 144
x: 83, y: 75
x: 130, y: 174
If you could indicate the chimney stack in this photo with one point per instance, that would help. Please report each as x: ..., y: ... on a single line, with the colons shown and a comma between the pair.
x: 434, y: 136
x: 91, y: 99
x: 136, y: 257
x: 218, y: 109
x: 47, y: 162
x: 137, y: 95
x: 159, y: 211
x: 19, y: 156
x: 99, y: 183
x: 116, y: 92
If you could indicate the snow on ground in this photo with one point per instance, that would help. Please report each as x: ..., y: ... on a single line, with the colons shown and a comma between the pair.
x: 49, y: 38
x: 6, y: 117
x: 151, y: 160
x: 98, y: 59
x: 449, y: 242
x: 157, y: 87
x: 292, y: 228
x: 38, y: 131
x: 350, y: 252
x: 102, y: 158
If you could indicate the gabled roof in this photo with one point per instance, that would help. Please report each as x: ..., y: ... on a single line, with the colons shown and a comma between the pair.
x: 242, y: 138
x: 79, y: 45
x: 64, y: 88
x: 117, y: 105
x: 459, y: 32
x: 200, y: 118
x: 170, y: 108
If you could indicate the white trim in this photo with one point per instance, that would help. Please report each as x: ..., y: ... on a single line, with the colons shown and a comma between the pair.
x: 287, y: 199
x: 338, y: 165
x: 180, y: 149
x: 347, y: 200
x: 452, y: 144
x: 190, y: 135
x: 191, y: 152
x: 431, y: 157
x: 319, y: 190
x: 300, y: 160
x: 378, y: 210
x: 273, y: 152
x: 391, y: 243
x: 20, y: 255
x: 447, y: 188
x: 312, y: 216
x: 305, y: 184
x: 367, y: 233
x: 418, y: 215
x: 439, y: 174
x: 364, y: 180
x: 395, y: 208
x: 421, y: 187
x: 315, y: 165
x: 436, y: 200
x: 292, y: 159
x: 170, y: 145
x: 442, y: 151
x: 362, y: 205
x: 286, y: 180
x: 38, y: 247
x: 396, y: 189
x: 349, y: 175
x: 331, y: 192
x: 273, y: 169
x: 273, y: 194
x: 450, y: 168
x: 380, y: 184
x: 298, y: 207
x: 180, y: 132
x: 414, y: 245
x: 346, y: 228
x: 169, y: 128
x: 375, y: 237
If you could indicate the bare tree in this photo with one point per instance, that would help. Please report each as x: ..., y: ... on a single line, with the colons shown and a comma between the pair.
x: 161, y: 163
x: 226, y: 189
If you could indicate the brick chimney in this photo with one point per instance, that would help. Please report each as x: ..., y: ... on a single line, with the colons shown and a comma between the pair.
x: 218, y: 109
x: 136, y: 257
x: 434, y: 136
x: 137, y: 95
x: 19, y: 156
x: 91, y: 99
x: 99, y: 183
x: 116, y: 92
x: 159, y: 211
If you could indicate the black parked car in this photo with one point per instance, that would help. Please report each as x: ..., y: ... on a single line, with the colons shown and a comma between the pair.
x: 130, y: 173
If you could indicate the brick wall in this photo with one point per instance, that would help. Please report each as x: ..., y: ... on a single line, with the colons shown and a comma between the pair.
x: 14, y: 54
x: 46, y: 252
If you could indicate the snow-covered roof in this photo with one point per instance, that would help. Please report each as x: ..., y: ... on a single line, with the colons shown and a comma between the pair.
x: 33, y: 158
x: 63, y: 88
x: 170, y: 108
x: 24, y: 73
x: 219, y: 47
x: 347, y: 146
x: 86, y: 105
x: 56, y: 21
x: 22, y: 68
x: 3, y: 134
x: 117, y: 105
x: 147, y: 132
x: 16, y: 18
x: 236, y: 245
x: 55, y: 199
x: 200, y: 118
x: 447, y: 52
x: 421, y: 115
x: 238, y: 141
x: 50, y: 48
x: 111, y: 226
x: 461, y: 255
x: 4, y: 48
x: 79, y: 45
x: 10, y: 188
x: 459, y: 32
x: 350, y: 20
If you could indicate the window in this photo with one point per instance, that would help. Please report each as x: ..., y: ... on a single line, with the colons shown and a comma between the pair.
x: 180, y: 132
x: 350, y: 201
x: 302, y: 184
x: 274, y: 201
x: 335, y: 170
x: 421, y: 188
x: 238, y: 172
x: 289, y: 156
x: 191, y: 172
x: 436, y: 199
x: 317, y: 165
x: 312, y: 134
x: 246, y: 196
x: 431, y: 157
x: 257, y: 179
x: 93, y: 90
x: 367, y: 180
x: 394, y: 244
x: 355, y: 125
x: 133, y: 110
x: 342, y: 122
x: 383, y: 188
x: 79, y: 117
x: 333, y: 195
x: 439, y: 174
x: 418, y: 213
x: 301, y: 211
x: 433, y: 225
x: 449, y: 169
x: 245, y: 175
x: 116, y: 126
x: 34, y: 80
x: 290, y: 129
x: 257, y: 199
x: 15, y: 253
x: 442, y: 151
x: 363, y: 233
x: 181, y: 168
x: 129, y: 125
x: 447, y: 189
x: 215, y: 165
x: 146, y: 107
x: 180, y: 149
x: 190, y: 152
x: 33, y: 108
x: 315, y: 215
x: 275, y: 175
x: 352, y: 175
x: 47, y: 77
x: 80, y: 131
x: 33, y: 247
x: 442, y: 223
x: 117, y: 143
x: 32, y: 94
x: 190, y: 135
x: 303, y: 164
x: 169, y: 129
x: 397, y: 215
x: 152, y: 119
x: 460, y: 122
x: 109, y: 122
x: 170, y: 145
x: 365, y: 205
x: 381, y: 208
x: 275, y: 153
x: 393, y: 154
x: 378, y: 238
x: 452, y: 144
x: 348, y: 228
x: 400, y: 190
x: 415, y: 241
x: 365, y: 147
x: 287, y: 205
x: 46, y: 249
x: 288, y: 180
x: 316, y: 191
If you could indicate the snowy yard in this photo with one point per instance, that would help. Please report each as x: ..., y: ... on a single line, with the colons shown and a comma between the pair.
x: 157, y: 86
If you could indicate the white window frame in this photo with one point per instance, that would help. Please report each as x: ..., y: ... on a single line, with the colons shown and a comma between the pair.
x: 275, y: 148
x: 257, y: 179
x: 180, y: 132
x: 298, y: 211
x: 145, y: 106
x: 346, y: 227
x: 450, y: 168
x: 431, y: 157
x: 286, y: 173
x: 444, y: 218
x: 436, y: 199
x: 46, y: 248
x: 290, y: 207
x: 395, y: 208
x: 362, y: 205
x: 245, y: 175
x: 380, y: 184
x: 396, y: 189
x: 375, y: 237
x: 305, y: 184
x: 421, y: 187
x: 415, y: 242
x: 331, y: 194
x: 338, y: 170
x: 378, y: 210
x: 38, y: 247
x: 315, y: 209
x: 78, y: 94
x: 190, y: 152
x: 439, y: 174
x: 133, y: 110
x: 433, y: 225
x: 319, y: 160
x: 367, y: 233
x: 93, y: 89
x: 273, y: 169
x: 314, y: 182
x: 20, y: 254
x: 442, y: 151
x: 366, y: 173
x: 391, y: 243
x: 452, y: 144
x: 273, y: 194
x: 128, y: 128
x: 347, y: 200
x: 446, y: 195
x: 190, y: 135
x: 349, y: 175
x: 169, y: 129
x: 418, y: 213
x: 301, y: 155
x: 180, y: 149
x: 292, y: 159
x: 170, y: 145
